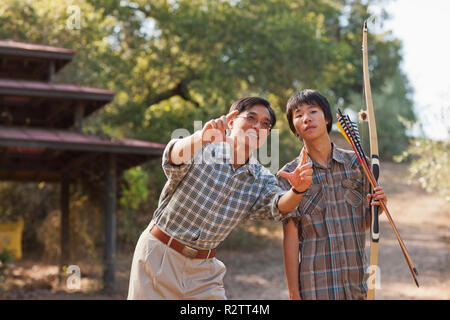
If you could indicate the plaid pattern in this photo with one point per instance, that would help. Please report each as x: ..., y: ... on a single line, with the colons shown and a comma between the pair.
x: 205, y: 198
x: 331, y: 222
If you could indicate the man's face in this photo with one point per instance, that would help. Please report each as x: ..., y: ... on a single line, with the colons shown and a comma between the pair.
x: 251, y: 127
x: 309, y: 121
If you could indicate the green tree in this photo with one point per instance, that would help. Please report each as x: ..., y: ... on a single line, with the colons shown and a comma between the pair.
x: 171, y: 62
x: 393, y: 109
x: 429, y: 164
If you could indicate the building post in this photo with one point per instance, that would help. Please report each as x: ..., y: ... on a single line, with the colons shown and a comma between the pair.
x: 65, y: 222
x: 78, y: 117
x: 51, y: 71
x: 110, y: 222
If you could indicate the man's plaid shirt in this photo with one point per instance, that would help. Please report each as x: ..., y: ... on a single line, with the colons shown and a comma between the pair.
x: 331, y: 220
x: 205, y: 198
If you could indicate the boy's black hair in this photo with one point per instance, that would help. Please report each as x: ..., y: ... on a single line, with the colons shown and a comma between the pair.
x: 308, y: 96
x: 246, y: 103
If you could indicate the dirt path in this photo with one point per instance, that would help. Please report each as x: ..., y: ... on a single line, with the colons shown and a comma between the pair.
x: 256, y: 272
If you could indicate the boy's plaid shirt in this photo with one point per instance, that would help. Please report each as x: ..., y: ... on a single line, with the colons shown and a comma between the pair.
x: 204, y: 199
x: 331, y: 220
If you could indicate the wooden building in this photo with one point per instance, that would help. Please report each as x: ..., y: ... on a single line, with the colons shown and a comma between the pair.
x: 41, y: 136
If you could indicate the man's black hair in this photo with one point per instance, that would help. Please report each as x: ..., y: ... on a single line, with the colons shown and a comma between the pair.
x: 248, y: 102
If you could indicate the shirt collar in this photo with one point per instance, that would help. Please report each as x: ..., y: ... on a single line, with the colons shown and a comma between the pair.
x: 253, y: 166
x: 224, y: 152
x: 336, y: 154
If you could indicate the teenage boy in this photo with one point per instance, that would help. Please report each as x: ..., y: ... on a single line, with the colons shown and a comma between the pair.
x: 213, y: 184
x: 324, y: 239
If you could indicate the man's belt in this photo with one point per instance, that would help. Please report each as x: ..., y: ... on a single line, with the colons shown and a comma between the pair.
x: 181, y: 248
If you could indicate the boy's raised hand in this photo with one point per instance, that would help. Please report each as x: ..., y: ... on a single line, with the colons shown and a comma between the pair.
x: 301, y: 178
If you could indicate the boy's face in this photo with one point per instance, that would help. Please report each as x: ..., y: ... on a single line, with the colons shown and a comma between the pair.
x: 309, y: 121
x: 251, y: 127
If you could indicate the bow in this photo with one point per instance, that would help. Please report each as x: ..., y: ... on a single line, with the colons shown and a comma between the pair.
x: 350, y: 131
x: 374, y: 225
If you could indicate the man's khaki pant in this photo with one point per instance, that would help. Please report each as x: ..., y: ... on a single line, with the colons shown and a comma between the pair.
x: 159, y: 272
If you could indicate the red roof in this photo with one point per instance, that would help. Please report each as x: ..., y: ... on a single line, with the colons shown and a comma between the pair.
x: 59, y: 139
x: 30, y: 87
x: 10, y: 44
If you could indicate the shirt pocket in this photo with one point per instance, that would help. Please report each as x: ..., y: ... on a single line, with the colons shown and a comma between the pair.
x: 353, y: 192
x: 353, y: 195
x: 312, y: 210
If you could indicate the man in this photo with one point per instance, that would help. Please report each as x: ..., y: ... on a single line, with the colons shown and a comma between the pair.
x: 213, y: 184
x: 329, y: 225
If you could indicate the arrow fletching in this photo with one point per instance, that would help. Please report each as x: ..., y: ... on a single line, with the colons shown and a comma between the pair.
x: 350, y: 131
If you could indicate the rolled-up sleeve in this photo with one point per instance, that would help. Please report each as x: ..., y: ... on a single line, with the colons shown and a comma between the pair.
x: 284, y: 184
x: 174, y: 173
x: 266, y: 206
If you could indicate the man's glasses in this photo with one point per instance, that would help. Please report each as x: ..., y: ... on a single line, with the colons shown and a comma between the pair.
x: 254, y: 121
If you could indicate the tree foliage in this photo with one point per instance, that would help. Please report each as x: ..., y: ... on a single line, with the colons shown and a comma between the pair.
x: 429, y: 164
x: 172, y: 62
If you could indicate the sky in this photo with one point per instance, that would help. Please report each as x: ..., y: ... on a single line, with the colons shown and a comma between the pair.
x: 424, y: 28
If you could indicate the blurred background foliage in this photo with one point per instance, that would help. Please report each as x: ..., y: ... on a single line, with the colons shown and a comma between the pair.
x: 429, y: 164
x: 173, y: 62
